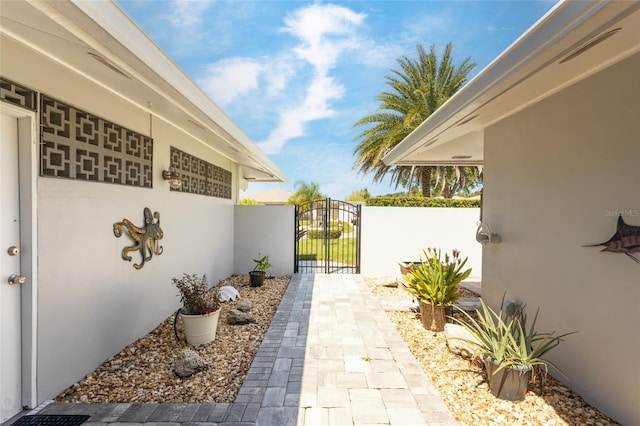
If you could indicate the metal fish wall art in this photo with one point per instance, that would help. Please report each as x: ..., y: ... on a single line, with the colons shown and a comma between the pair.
x: 626, y: 240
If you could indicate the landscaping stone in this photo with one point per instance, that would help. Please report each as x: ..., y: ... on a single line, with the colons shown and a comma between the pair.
x: 188, y: 362
x: 245, y: 305
x: 237, y: 317
x: 454, y: 332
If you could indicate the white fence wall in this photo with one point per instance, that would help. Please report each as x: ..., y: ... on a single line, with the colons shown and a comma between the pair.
x: 265, y: 230
x: 389, y: 235
x: 393, y: 234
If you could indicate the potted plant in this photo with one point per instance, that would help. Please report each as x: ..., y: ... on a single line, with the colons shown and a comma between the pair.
x: 434, y: 281
x: 256, y: 276
x: 509, y: 348
x: 200, y: 309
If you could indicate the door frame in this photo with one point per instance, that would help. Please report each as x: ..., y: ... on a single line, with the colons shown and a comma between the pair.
x: 28, y: 144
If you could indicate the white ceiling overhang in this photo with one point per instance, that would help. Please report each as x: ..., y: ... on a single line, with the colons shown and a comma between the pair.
x: 74, y: 33
x: 572, y: 41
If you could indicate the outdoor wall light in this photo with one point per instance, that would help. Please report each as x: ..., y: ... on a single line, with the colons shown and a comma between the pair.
x: 484, y: 235
x: 173, y: 177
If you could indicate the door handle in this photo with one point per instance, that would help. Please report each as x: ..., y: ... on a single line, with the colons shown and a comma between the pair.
x: 13, y: 251
x: 17, y: 279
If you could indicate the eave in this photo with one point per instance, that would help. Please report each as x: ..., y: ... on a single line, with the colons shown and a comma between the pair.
x: 74, y: 33
x: 574, y: 40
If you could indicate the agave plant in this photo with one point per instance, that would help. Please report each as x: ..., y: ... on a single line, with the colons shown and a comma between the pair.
x: 435, y: 280
x: 506, y: 340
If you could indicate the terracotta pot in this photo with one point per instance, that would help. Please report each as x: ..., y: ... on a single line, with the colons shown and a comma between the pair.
x: 200, y: 329
x: 509, y: 383
x: 430, y: 312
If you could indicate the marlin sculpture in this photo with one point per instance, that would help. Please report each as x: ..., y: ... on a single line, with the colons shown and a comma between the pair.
x: 626, y: 240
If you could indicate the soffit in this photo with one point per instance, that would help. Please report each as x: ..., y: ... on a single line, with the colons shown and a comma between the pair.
x: 73, y: 34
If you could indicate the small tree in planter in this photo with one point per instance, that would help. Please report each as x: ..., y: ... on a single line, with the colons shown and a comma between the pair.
x: 434, y: 281
x: 509, y: 348
x: 200, y: 309
x: 256, y: 276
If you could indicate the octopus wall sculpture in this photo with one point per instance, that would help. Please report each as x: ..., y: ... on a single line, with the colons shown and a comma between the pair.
x: 146, y: 238
x: 626, y: 240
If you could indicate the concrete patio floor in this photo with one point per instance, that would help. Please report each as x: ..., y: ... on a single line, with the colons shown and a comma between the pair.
x: 330, y: 357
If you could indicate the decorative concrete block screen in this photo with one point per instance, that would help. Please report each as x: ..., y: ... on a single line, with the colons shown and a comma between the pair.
x: 79, y: 145
x: 200, y: 177
x: 18, y: 95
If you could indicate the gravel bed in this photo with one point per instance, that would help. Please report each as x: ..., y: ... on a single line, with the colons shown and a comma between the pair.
x: 464, y: 389
x: 143, y: 371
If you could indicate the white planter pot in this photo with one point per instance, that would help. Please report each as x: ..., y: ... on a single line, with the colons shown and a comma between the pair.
x: 200, y: 329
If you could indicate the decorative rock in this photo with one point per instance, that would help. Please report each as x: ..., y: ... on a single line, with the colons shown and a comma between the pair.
x: 238, y: 317
x: 454, y: 332
x: 188, y: 362
x: 245, y: 305
x: 228, y: 293
x: 387, y: 281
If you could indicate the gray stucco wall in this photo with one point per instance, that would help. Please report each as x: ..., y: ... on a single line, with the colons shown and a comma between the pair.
x: 556, y: 176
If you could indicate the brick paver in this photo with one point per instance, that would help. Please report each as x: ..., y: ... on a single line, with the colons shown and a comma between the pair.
x: 330, y: 357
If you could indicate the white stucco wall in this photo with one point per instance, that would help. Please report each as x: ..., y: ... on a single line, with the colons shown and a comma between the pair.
x: 389, y: 235
x: 265, y: 230
x: 555, y: 175
x: 393, y: 234
x: 91, y: 303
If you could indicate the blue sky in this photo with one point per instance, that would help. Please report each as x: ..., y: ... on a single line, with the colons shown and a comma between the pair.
x: 295, y: 76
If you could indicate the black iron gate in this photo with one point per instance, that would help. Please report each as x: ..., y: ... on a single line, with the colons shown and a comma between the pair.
x: 328, y: 237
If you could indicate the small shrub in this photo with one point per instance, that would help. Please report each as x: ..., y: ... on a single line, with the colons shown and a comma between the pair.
x: 317, y: 234
x: 421, y: 202
x: 195, y: 295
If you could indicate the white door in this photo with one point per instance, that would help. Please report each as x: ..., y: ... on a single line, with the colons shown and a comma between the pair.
x: 10, y: 311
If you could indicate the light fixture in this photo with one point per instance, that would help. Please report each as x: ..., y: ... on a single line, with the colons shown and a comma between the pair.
x: 173, y: 177
x: 484, y: 235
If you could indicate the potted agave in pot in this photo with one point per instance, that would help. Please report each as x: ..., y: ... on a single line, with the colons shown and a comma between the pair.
x: 434, y: 281
x: 509, y: 348
x: 200, y: 309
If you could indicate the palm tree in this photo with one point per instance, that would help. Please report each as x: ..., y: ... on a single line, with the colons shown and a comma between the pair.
x: 305, y: 192
x: 417, y: 89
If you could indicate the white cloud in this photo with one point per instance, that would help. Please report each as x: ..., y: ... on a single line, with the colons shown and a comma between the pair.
x: 325, y: 32
x: 187, y: 13
x: 320, y: 27
x: 229, y: 78
x: 278, y: 72
x: 314, y: 107
x: 295, y: 86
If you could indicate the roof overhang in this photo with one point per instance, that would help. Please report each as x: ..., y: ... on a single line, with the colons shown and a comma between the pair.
x: 574, y: 40
x: 98, y: 41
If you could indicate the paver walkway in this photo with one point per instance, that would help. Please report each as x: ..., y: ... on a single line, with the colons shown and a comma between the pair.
x: 330, y: 357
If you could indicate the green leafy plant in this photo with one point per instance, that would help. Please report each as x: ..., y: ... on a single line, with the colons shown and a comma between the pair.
x: 262, y: 263
x: 435, y: 280
x: 507, y: 340
x: 196, y: 296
